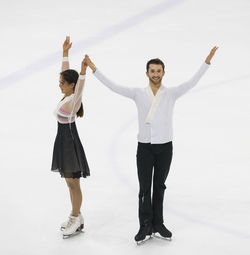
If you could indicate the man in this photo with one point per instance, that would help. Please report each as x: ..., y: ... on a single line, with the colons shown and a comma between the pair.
x: 155, y: 113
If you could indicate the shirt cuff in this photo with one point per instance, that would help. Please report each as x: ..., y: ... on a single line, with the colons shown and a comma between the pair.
x: 82, y: 77
x: 205, y: 66
x: 65, y: 59
x: 96, y: 71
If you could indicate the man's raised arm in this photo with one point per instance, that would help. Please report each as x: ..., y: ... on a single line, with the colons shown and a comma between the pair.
x: 124, y: 91
x: 186, y: 86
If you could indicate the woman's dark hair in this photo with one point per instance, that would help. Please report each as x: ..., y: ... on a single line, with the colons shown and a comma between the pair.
x: 156, y: 61
x: 71, y: 76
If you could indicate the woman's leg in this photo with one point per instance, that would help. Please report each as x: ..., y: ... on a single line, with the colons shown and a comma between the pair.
x: 75, y: 194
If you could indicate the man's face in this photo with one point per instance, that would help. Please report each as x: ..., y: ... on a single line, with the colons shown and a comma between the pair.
x: 155, y: 73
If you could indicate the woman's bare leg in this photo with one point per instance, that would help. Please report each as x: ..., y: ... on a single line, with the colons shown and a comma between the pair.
x: 71, y: 198
x: 75, y: 194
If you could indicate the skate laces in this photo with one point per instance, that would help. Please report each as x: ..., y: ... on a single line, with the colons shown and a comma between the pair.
x: 70, y: 221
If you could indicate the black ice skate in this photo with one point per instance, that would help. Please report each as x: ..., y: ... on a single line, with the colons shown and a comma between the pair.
x: 163, y: 231
x: 145, y: 230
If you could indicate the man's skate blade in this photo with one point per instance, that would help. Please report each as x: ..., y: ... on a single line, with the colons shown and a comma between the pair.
x: 147, y: 238
x: 161, y: 237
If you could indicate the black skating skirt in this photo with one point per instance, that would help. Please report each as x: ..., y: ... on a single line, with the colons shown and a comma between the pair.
x: 68, y: 154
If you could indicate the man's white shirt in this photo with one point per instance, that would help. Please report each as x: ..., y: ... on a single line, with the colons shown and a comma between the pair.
x: 155, y: 112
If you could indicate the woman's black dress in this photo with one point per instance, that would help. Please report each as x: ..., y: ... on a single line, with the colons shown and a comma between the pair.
x: 69, y: 158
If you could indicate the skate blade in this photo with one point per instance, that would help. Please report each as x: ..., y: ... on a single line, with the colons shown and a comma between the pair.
x: 162, y: 238
x: 78, y: 231
x: 147, y: 238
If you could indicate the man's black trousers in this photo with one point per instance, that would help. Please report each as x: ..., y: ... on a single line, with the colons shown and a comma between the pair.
x: 158, y: 157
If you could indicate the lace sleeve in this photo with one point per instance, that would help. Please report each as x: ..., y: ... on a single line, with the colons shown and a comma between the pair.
x: 65, y: 63
x: 74, y: 104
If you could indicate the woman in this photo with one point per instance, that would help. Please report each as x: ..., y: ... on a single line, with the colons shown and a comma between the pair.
x: 68, y: 155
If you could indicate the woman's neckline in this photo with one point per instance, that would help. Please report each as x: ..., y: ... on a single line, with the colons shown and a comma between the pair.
x: 67, y: 96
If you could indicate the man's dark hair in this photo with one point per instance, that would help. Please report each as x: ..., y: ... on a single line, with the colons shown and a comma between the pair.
x: 155, y: 61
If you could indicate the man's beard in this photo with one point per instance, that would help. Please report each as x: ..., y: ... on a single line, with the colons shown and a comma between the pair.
x: 155, y: 82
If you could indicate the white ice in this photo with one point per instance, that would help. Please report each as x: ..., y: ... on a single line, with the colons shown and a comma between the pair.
x: 207, y: 203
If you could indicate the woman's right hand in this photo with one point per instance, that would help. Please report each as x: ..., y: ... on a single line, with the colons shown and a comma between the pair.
x: 84, y: 66
x: 66, y: 46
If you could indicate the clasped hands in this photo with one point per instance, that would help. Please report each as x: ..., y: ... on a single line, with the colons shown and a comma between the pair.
x: 87, y: 62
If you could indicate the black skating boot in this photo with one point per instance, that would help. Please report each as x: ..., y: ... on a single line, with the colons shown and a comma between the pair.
x: 144, y: 231
x: 162, y: 230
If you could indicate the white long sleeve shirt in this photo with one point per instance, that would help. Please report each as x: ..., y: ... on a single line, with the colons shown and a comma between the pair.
x: 67, y: 108
x: 155, y: 115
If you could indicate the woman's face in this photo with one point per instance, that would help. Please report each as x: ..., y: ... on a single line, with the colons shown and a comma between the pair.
x: 65, y: 87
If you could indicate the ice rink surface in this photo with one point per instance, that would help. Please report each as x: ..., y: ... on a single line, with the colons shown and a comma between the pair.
x: 207, y: 203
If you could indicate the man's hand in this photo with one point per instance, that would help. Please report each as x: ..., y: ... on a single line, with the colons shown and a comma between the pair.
x: 90, y: 63
x: 66, y: 46
x: 211, y: 54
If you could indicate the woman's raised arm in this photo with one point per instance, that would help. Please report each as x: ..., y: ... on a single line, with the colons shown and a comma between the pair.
x: 66, y: 46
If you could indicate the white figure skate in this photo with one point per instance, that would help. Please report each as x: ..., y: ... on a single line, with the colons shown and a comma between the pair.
x: 64, y: 224
x: 73, y: 226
